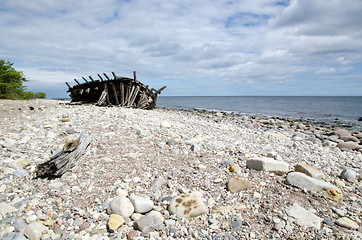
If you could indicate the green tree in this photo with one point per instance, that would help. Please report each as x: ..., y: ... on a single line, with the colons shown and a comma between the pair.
x: 11, y: 83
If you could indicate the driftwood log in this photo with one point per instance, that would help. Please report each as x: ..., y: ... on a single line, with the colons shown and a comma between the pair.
x: 64, y: 159
x: 120, y: 91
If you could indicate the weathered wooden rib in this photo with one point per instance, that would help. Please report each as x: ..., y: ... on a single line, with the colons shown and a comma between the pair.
x: 123, y: 91
x: 64, y: 159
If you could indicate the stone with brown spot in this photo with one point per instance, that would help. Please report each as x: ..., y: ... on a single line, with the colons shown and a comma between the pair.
x: 192, y: 205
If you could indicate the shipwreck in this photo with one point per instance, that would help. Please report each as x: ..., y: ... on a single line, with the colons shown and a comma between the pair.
x: 120, y: 91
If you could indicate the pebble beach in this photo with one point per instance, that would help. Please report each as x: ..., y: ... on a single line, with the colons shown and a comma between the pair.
x: 171, y: 174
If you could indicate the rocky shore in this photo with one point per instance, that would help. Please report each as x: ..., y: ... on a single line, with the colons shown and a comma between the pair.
x: 168, y: 174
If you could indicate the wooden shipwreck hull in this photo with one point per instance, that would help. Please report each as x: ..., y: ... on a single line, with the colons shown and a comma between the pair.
x: 122, y: 91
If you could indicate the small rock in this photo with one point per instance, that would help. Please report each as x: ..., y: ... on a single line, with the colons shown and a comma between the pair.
x: 165, y: 124
x: 268, y: 165
x: 158, y: 183
x: 236, y: 224
x: 115, y: 221
x: 21, y: 172
x: 20, y: 163
x: 347, y: 223
x: 136, y: 216
x: 348, y: 145
x: 195, y: 148
x: 339, y: 212
x: 328, y: 222
x: 6, y: 208
x: 309, y: 170
x: 188, y: 205
x: 65, y: 118
x: 15, y: 236
x: 34, y: 230
x: 236, y: 185
x: 148, y: 223
x: 121, y: 206
x: 280, y: 225
x: 349, y: 175
x: 303, y: 217
x: 132, y: 234
x: 19, y: 225
x: 256, y: 195
x: 303, y: 181
x: 339, y: 183
x: 218, y: 180
x: 141, y: 204
x: 342, y: 133
x: 156, y: 214
x: 201, y: 167
x: 170, y: 222
x: 10, y: 144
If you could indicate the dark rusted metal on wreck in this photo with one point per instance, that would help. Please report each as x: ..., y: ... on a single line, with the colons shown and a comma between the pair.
x: 121, y: 91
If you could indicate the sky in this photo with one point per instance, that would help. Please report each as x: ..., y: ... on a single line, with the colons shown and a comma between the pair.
x: 195, y: 48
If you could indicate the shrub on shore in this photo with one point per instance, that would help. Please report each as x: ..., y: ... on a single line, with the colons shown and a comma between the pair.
x: 11, y: 83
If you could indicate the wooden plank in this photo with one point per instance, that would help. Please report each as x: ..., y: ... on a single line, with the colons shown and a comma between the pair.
x: 85, y: 79
x: 100, y: 77
x: 115, y: 93
x: 122, y: 93
x: 68, y: 85
x: 107, y: 77
x: 106, y: 89
x: 134, y: 76
x: 76, y: 81
x: 134, y: 95
x: 130, y: 95
x: 90, y: 77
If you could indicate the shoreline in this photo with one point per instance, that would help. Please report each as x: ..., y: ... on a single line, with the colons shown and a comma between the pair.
x: 161, y: 154
x: 318, y: 123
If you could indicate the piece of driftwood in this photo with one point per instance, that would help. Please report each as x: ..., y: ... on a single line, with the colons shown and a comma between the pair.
x: 122, y: 91
x: 64, y: 159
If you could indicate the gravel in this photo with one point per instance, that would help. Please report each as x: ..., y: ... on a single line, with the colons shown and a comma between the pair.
x: 160, y: 154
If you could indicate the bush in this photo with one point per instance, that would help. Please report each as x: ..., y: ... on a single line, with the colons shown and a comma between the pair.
x: 11, y: 83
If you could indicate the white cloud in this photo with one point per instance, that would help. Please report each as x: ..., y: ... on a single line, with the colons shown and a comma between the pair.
x: 233, y: 42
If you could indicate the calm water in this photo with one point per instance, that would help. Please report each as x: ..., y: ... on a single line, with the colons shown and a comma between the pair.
x: 336, y: 110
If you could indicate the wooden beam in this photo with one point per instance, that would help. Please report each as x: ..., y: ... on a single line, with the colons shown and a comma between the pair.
x: 68, y: 85
x: 76, y: 81
x: 100, y: 77
x: 115, y: 93
x: 106, y: 89
x: 107, y: 77
x: 114, y: 75
x: 134, y: 76
x: 85, y: 79
x: 90, y: 77
x: 160, y: 90
x: 122, y: 93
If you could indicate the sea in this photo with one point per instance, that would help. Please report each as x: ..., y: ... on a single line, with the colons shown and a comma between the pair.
x: 322, y: 110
